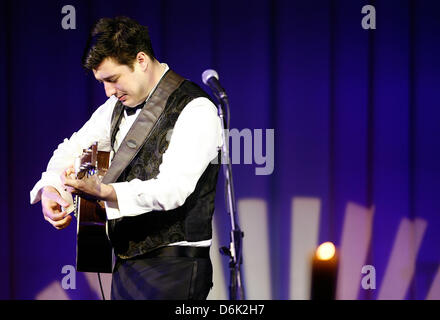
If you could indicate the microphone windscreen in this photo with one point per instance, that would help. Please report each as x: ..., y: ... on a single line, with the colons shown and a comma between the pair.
x: 208, y: 74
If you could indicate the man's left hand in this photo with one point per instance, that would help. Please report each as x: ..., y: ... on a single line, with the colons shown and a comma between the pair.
x: 90, y: 186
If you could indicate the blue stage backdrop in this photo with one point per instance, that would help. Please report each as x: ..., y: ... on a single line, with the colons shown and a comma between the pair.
x: 353, y: 112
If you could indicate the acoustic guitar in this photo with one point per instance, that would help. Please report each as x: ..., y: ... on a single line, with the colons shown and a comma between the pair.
x: 93, y: 247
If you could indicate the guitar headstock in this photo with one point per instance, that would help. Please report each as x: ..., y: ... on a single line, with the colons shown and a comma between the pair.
x: 87, y: 163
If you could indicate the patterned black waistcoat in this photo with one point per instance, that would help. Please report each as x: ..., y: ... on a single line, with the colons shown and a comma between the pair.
x: 133, y: 236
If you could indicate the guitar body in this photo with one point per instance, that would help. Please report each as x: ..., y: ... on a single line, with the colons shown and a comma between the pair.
x: 93, y: 248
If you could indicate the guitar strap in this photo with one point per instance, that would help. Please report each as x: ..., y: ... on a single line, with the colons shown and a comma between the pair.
x: 141, y: 128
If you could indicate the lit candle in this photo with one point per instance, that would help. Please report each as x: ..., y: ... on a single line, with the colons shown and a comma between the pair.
x: 324, y: 272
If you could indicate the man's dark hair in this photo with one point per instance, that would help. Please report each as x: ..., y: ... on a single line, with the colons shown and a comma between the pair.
x: 120, y: 38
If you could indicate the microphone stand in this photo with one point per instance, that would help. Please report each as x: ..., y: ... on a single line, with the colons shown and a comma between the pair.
x: 236, y: 289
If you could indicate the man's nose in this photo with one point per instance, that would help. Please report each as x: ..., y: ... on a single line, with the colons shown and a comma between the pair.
x: 109, y: 89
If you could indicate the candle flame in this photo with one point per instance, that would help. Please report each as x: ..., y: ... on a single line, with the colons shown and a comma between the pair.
x: 326, y: 251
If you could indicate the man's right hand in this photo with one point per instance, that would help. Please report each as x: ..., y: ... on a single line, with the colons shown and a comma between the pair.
x: 51, y: 203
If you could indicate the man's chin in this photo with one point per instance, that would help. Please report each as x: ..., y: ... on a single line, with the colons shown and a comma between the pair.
x: 129, y: 103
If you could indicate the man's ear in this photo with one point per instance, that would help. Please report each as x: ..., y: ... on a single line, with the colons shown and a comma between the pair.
x: 143, y: 60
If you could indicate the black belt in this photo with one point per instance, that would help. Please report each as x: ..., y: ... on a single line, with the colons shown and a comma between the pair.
x: 178, y: 251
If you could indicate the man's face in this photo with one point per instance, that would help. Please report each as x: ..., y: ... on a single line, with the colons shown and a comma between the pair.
x: 129, y: 86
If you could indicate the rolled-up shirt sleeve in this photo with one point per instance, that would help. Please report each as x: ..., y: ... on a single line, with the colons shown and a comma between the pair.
x: 195, y: 141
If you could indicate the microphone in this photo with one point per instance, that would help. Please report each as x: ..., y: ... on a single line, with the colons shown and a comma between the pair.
x: 210, y: 78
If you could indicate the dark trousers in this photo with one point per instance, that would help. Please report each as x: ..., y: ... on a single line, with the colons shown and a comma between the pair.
x: 162, y: 278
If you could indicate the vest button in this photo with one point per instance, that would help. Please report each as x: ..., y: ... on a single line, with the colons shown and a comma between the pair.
x: 131, y: 144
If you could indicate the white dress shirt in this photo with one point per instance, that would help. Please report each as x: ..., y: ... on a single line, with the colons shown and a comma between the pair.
x: 195, y: 141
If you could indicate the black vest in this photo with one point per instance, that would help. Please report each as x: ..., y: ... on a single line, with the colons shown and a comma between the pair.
x: 133, y: 236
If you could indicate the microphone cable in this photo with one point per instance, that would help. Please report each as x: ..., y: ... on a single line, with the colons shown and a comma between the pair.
x: 100, y: 286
